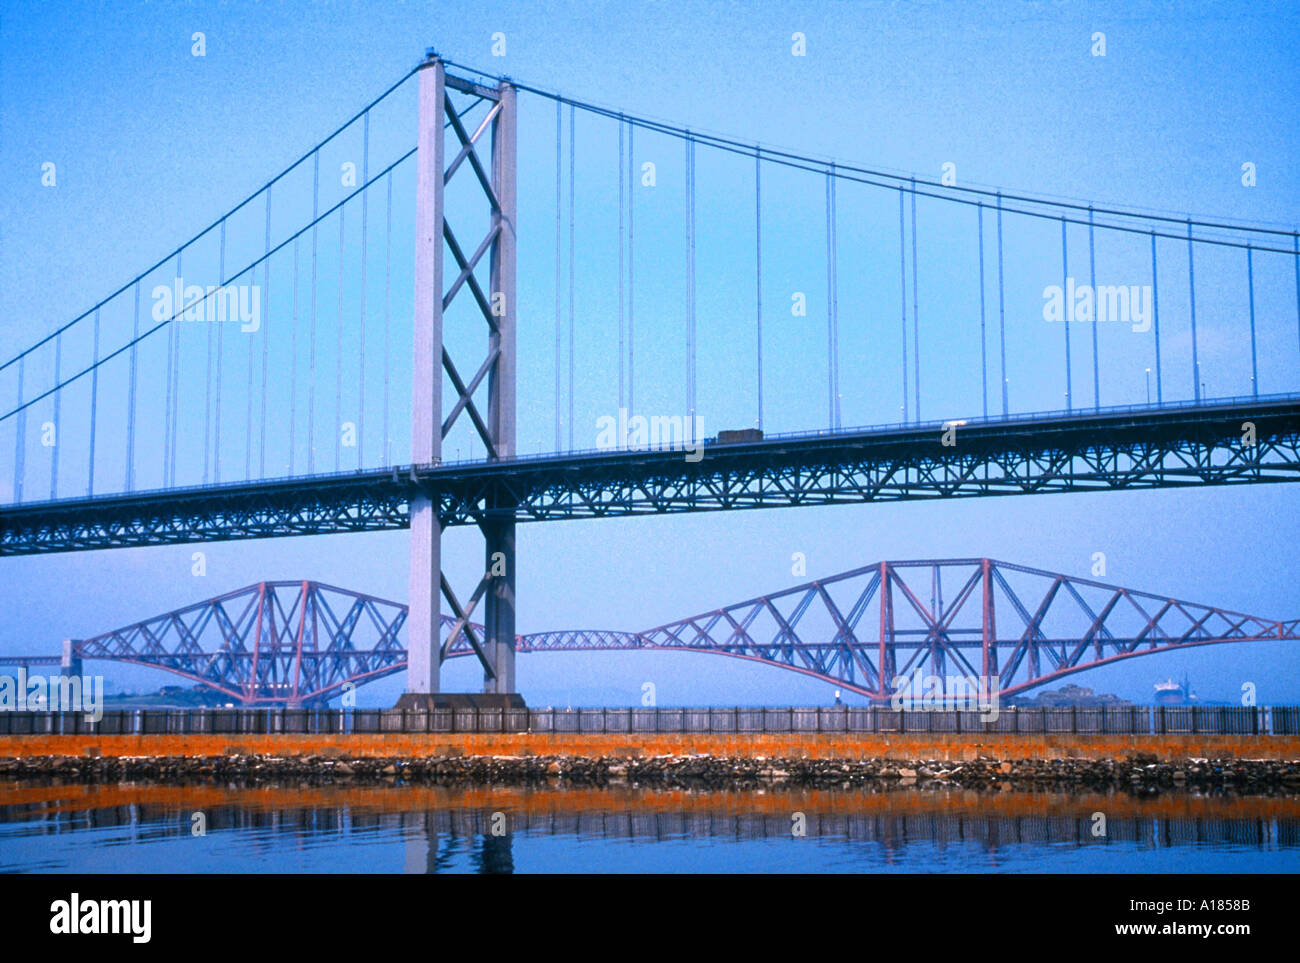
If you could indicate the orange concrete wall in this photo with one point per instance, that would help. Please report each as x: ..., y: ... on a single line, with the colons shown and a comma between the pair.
x: 825, y: 745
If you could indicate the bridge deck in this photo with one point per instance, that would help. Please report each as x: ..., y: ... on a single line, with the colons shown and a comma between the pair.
x: 1109, y: 449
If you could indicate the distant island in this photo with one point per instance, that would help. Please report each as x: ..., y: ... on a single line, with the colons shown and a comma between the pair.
x: 170, y: 697
x: 1070, y: 695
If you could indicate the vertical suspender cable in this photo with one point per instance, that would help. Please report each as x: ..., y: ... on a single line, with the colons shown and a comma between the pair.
x: 293, y: 367
x: 1092, y: 280
x: 58, y: 403
x: 20, y: 435
x: 221, y: 330
x: 984, y: 363
x: 1155, y: 309
x: 1191, y: 287
x: 695, y: 337
x: 831, y: 387
x: 620, y: 262
x: 902, y: 269
x: 207, y: 400
x: 916, y: 317
x: 572, y: 118
x: 1250, y: 282
x: 167, y: 397
x: 176, y: 388
x: 130, y: 396
x: 559, y: 354
x: 248, y: 390
x: 690, y: 279
x: 311, y: 354
x: 758, y: 262
x: 94, y: 405
x: 1069, y: 312
x: 388, y: 251
x: 266, y: 339
x: 690, y: 286
x: 361, y: 348
x: 338, y: 352
x: 835, y: 290
x: 173, y: 354
x: 1002, y: 315
x: 631, y: 274
x: 1295, y: 265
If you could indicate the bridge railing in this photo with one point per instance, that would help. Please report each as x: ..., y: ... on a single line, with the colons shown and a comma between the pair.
x: 1106, y: 720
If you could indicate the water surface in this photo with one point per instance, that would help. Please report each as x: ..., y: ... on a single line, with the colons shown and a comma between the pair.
x: 146, y: 828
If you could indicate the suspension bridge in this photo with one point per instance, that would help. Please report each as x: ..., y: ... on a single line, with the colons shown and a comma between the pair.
x: 255, y: 382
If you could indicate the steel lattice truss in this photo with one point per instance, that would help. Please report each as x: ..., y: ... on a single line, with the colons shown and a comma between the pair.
x: 274, y: 642
x: 968, y: 618
x: 1106, y: 451
x: 301, y: 642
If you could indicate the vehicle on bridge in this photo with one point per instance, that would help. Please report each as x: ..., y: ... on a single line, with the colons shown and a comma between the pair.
x: 735, y: 436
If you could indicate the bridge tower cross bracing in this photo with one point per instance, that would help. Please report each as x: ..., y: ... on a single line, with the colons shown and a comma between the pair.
x: 429, y: 586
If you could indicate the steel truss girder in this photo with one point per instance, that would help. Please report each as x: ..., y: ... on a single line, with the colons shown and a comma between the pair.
x: 1130, y: 451
x: 805, y: 630
x: 290, y: 643
x: 303, y: 642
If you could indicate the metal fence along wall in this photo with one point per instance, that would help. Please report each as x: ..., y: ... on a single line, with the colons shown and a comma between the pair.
x: 1118, y: 720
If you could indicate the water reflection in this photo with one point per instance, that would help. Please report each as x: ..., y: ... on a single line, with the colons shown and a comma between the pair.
x: 489, y: 830
x: 430, y: 850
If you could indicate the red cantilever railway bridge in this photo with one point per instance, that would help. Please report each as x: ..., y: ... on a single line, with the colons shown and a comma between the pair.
x: 301, y: 643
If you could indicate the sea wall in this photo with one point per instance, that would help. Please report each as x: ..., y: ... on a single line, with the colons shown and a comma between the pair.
x: 911, y: 746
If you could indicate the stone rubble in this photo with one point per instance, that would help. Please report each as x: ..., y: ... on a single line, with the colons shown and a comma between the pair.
x: 1137, y: 774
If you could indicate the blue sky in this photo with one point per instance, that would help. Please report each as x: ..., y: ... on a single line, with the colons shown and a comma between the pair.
x: 152, y: 143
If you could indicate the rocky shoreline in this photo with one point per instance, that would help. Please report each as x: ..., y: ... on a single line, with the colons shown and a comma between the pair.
x: 1138, y: 774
